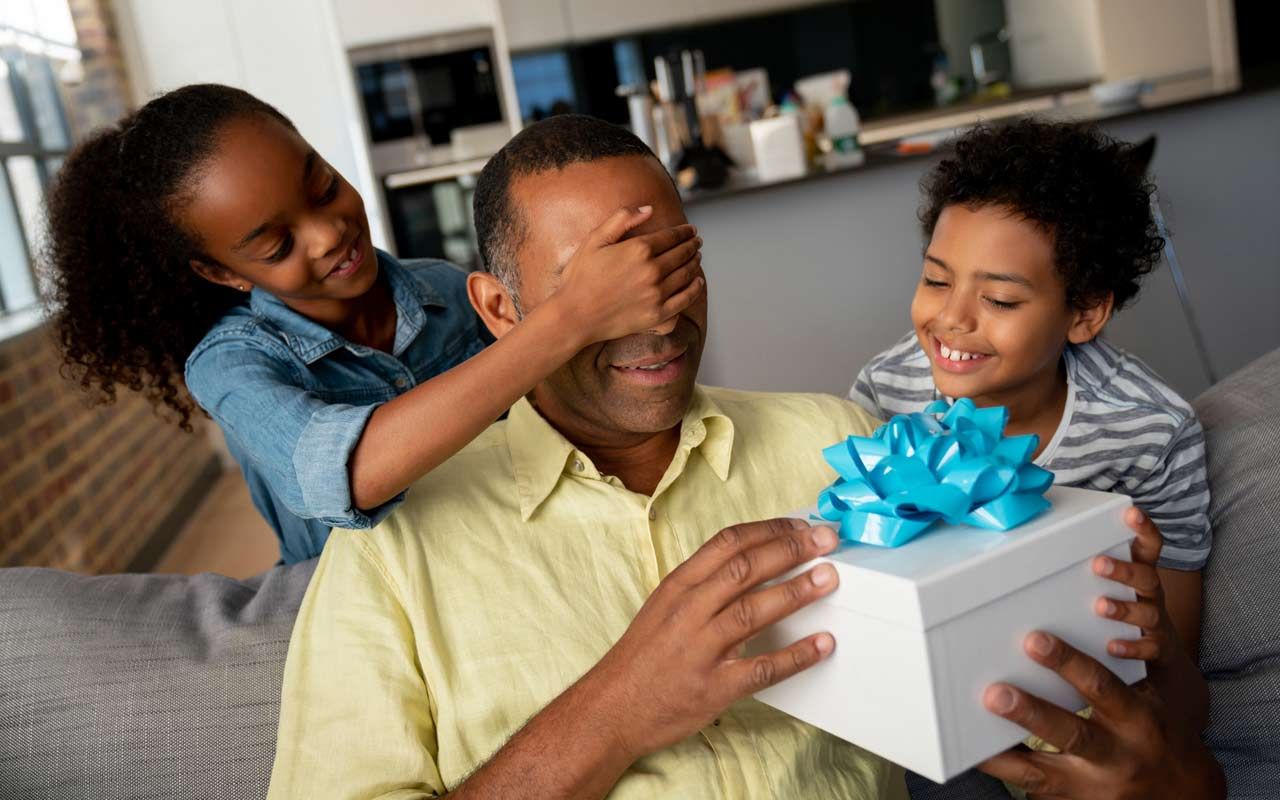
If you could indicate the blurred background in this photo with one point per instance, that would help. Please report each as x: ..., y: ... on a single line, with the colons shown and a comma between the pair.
x: 797, y: 130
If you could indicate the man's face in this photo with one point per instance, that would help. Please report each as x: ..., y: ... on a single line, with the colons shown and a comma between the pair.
x: 601, y: 390
x: 990, y: 309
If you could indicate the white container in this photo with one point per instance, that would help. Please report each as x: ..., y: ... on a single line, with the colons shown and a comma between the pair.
x: 779, y: 147
x: 921, y: 630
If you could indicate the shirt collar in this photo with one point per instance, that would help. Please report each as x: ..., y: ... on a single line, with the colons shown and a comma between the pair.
x: 541, y: 456
x: 311, y: 341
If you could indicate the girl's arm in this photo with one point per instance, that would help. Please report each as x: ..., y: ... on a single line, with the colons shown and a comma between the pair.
x: 610, y: 288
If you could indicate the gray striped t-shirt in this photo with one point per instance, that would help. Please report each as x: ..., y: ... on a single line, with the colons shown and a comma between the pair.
x: 1123, y: 430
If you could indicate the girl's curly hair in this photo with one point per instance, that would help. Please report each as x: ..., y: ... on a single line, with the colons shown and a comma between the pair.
x: 126, y: 305
x: 1088, y: 191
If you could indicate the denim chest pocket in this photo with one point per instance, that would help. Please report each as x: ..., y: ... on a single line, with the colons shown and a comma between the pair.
x: 335, y: 381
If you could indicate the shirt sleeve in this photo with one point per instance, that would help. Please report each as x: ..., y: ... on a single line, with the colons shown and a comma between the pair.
x: 356, y: 715
x: 1175, y: 494
x: 863, y: 392
x: 298, y: 442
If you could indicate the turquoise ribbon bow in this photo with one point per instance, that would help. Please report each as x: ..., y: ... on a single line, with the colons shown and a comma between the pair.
x: 951, y: 462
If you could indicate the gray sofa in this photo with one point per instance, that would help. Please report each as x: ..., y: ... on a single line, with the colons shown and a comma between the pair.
x: 141, y: 686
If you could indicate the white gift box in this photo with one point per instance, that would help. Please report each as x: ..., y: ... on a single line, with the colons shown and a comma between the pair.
x: 921, y: 630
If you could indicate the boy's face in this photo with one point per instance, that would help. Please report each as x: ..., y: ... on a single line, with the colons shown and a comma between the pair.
x: 991, y: 308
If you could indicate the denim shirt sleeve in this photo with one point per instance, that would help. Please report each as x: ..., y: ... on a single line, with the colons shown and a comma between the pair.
x: 299, y: 443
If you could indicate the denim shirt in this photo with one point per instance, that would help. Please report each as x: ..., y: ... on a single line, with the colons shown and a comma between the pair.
x: 293, y: 397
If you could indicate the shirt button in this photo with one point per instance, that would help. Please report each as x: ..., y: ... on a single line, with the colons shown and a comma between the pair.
x: 717, y: 722
x: 578, y: 465
x: 653, y: 514
x: 401, y: 383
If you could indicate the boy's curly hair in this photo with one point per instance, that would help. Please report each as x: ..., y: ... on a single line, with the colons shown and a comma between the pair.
x: 1088, y: 191
x: 126, y: 305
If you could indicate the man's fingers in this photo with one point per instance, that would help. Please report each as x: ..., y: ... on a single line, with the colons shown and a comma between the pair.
x: 1060, y: 728
x: 745, y: 676
x: 617, y: 224
x: 753, y: 611
x: 1143, y: 578
x: 749, y: 568
x: 1146, y: 547
x: 1033, y: 772
x: 732, y: 541
x: 1100, y: 688
x: 684, y: 298
x: 1140, y: 614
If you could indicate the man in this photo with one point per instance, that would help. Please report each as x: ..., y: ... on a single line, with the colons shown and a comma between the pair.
x: 545, y: 616
x: 517, y: 565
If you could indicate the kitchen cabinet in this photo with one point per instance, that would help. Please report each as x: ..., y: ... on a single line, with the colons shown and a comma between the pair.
x: 596, y: 19
x: 1089, y: 40
x: 531, y: 24
x: 366, y: 22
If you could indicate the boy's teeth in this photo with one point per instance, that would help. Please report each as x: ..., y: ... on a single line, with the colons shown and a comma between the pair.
x: 955, y: 355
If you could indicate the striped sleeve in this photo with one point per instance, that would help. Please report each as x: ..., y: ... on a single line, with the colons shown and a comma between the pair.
x: 863, y: 392
x: 1175, y: 494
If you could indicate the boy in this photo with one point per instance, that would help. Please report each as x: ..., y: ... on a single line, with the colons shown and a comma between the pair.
x: 1037, y: 233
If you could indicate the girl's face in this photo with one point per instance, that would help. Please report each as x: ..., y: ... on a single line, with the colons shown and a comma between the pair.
x: 273, y: 214
x: 991, y: 308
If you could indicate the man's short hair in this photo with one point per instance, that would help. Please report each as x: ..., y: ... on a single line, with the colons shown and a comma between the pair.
x: 552, y: 144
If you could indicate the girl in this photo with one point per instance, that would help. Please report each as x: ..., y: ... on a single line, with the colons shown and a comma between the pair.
x: 203, y: 232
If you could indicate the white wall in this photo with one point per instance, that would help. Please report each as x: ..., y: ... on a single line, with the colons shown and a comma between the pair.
x: 287, y: 52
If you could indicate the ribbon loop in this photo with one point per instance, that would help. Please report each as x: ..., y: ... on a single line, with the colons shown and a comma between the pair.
x: 950, y: 462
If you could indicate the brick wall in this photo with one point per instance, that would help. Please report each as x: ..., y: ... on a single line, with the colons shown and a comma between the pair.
x: 102, y: 95
x: 90, y: 489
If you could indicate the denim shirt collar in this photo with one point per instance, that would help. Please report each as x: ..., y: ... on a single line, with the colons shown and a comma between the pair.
x: 311, y: 341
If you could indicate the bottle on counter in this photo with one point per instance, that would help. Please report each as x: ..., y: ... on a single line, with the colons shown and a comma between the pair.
x: 842, y: 125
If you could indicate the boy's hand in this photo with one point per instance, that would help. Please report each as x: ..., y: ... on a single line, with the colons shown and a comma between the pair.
x: 613, y: 287
x: 1159, y: 640
x: 678, y: 665
x: 1132, y: 746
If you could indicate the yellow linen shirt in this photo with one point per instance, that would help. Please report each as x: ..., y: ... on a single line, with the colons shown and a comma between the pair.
x: 509, y: 571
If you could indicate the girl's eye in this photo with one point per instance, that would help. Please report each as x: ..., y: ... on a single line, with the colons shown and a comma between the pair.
x: 330, y: 192
x: 286, y: 244
x: 932, y: 283
x: 1001, y: 304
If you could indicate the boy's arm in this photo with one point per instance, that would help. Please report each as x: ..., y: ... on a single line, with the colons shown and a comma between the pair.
x: 611, y: 288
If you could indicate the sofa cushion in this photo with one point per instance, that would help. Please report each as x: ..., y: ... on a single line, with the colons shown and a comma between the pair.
x: 130, y: 686
x: 1240, y: 633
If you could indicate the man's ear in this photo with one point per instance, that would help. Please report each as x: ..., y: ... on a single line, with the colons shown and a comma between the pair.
x: 1087, y: 323
x: 216, y: 273
x: 492, y: 302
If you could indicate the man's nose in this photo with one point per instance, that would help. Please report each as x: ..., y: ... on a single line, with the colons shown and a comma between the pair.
x: 665, y: 327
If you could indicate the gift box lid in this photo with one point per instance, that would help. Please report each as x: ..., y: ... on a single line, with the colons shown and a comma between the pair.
x: 952, y: 569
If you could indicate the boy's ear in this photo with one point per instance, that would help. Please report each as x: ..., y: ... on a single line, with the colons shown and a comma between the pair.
x: 1087, y: 323
x: 216, y: 273
x: 492, y: 302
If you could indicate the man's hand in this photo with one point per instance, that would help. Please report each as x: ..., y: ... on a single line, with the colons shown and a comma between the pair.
x: 1132, y: 747
x: 678, y: 664
x: 614, y: 287
x: 674, y: 669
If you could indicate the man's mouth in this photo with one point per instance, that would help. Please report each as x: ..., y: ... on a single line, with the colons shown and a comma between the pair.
x: 953, y: 359
x: 653, y: 370
x: 350, y: 263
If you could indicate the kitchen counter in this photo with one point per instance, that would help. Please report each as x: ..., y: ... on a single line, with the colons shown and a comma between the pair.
x: 881, y: 137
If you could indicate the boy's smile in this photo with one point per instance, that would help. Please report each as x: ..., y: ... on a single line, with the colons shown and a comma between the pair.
x: 991, y: 310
